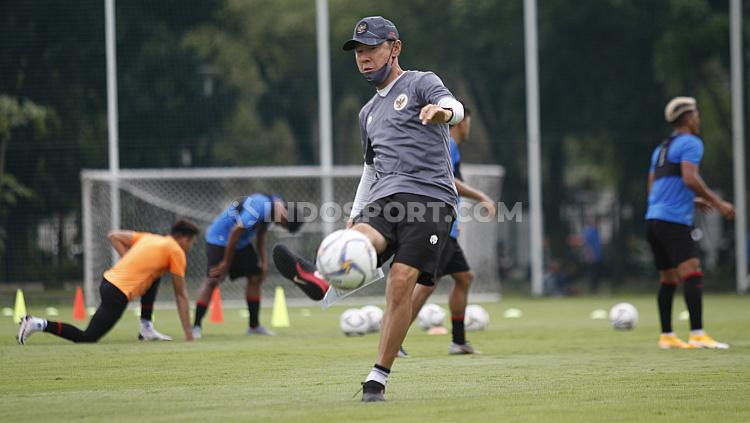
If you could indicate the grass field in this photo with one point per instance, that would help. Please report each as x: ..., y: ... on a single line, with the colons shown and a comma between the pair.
x: 553, y: 364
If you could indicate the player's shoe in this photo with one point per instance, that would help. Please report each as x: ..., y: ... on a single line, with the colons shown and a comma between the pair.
x: 300, y: 271
x: 373, y: 391
x: 29, y: 325
x: 461, y: 349
x: 668, y: 342
x: 196, y: 332
x: 402, y: 352
x: 260, y: 330
x: 149, y: 333
x: 705, y: 341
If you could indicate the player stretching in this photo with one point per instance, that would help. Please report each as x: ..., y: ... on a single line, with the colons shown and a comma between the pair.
x: 229, y: 249
x: 122, y: 241
x: 452, y: 261
x: 404, y: 131
x: 674, y: 187
x: 148, y: 257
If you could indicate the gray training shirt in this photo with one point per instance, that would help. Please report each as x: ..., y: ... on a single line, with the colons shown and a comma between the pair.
x: 408, y: 157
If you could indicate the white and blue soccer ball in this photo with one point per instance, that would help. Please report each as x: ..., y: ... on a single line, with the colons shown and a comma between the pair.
x: 346, y: 259
x: 374, y: 316
x: 623, y: 316
x: 431, y: 315
x: 354, y: 322
x: 476, y: 318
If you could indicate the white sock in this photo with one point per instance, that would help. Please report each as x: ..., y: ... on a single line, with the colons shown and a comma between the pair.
x: 377, y: 375
x: 698, y: 332
x: 145, y: 323
x: 668, y: 333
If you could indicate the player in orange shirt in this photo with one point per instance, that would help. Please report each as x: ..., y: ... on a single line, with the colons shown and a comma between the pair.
x: 147, y: 258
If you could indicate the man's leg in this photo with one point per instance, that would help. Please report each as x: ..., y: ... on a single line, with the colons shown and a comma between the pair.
x: 201, y: 303
x: 147, y: 332
x: 692, y: 277
x: 668, y: 280
x: 457, y: 302
x: 419, y: 298
x: 109, y: 312
x: 692, y: 281
x: 393, y: 328
x: 148, y: 299
x: 253, y: 296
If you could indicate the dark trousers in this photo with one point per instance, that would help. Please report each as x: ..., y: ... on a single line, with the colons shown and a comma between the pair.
x: 109, y: 312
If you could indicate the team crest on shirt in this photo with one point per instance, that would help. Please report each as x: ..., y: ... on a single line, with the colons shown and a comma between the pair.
x: 433, y: 239
x: 400, y: 102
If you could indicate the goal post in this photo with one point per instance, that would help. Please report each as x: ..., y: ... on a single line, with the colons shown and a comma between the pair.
x: 152, y: 199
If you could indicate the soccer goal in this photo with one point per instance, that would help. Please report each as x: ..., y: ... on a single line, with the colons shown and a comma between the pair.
x: 152, y: 199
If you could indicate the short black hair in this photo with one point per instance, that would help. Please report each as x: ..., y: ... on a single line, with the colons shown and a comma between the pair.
x: 184, y: 227
x: 293, y: 218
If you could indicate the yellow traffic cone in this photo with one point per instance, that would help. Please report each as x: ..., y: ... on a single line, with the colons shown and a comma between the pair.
x: 19, y: 312
x: 280, y: 314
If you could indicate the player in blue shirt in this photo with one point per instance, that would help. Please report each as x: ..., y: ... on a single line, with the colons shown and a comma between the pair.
x: 229, y: 250
x: 674, y: 188
x: 452, y: 260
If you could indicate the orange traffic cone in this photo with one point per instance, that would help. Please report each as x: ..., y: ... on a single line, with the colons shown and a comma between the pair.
x: 79, y: 311
x: 217, y: 313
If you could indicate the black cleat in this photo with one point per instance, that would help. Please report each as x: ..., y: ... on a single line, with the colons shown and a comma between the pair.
x: 300, y: 271
x: 373, y: 392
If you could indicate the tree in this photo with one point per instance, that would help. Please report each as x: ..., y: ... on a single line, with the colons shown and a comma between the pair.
x: 16, y: 116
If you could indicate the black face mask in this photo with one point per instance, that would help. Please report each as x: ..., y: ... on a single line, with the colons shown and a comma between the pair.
x: 377, y: 77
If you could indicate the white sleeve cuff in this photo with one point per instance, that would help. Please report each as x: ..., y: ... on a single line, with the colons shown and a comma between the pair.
x: 456, y: 106
x: 363, y: 190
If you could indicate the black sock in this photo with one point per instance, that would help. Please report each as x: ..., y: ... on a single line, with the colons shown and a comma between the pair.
x: 253, y: 307
x: 382, y: 369
x: 459, y: 334
x: 64, y: 330
x: 146, y: 311
x: 693, y: 287
x: 665, y: 299
x: 200, y: 311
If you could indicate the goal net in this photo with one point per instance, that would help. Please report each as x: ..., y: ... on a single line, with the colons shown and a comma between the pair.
x: 151, y: 200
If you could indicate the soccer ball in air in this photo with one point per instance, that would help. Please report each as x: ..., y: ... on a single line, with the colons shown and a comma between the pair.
x: 476, y: 317
x: 354, y: 322
x: 430, y: 315
x: 623, y: 316
x: 374, y: 316
x: 346, y: 259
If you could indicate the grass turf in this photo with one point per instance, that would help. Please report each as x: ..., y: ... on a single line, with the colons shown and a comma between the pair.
x: 552, y: 364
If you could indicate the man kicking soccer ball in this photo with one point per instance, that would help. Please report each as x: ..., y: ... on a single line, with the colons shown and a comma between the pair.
x: 405, y: 202
x: 148, y: 257
x: 229, y: 249
x: 452, y: 260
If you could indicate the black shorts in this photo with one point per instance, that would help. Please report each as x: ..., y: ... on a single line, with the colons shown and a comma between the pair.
x: 244, y: 263
x: 452, y: 260
x: 671, y: 243
x: 416, y: 228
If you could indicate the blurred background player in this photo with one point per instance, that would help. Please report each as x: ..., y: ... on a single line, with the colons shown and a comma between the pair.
x: 147, y: 258
x: 122, y: 241
x: 674, y: 188
x: 452, y: 261
x: 229, y: 249
x: 404, y: 134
